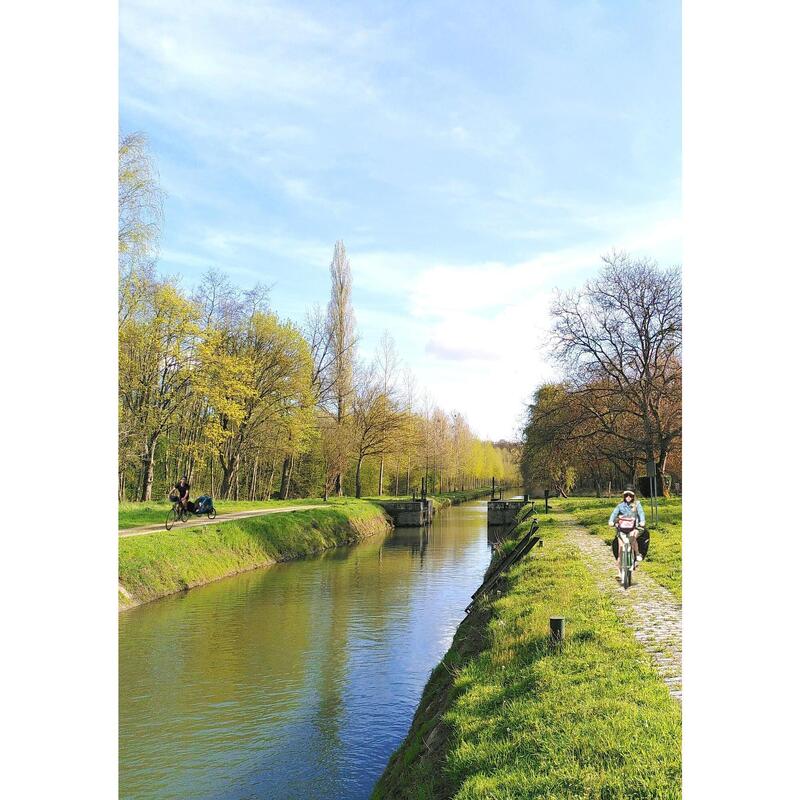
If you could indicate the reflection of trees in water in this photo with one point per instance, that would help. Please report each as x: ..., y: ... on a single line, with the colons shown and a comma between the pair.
x: 418, y: 546
x: 332, y: 662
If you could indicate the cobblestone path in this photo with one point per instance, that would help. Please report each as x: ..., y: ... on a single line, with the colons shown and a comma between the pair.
x: 650, y: 609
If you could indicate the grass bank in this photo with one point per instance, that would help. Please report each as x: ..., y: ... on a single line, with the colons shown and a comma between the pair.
x: 663, y: 562
x: 504, y: 716
x: 164, y: 562
x: 132, y: 515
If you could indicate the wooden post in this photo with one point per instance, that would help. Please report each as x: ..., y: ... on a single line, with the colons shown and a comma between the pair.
x: 556, y: 630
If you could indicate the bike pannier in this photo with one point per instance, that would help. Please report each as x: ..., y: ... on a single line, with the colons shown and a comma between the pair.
x: 626, y: 524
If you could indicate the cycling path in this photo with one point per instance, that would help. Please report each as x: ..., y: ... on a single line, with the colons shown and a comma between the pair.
x: 648, y: 608
x: 197, y: 522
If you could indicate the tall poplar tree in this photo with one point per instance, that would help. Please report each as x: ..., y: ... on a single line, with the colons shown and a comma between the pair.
x: 342, y: 337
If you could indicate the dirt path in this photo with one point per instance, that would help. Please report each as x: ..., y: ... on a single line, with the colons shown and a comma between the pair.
x: 648, y: 608
x: 196, y: 522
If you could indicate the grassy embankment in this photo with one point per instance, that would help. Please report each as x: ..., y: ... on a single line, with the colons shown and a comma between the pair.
x: 663, y: 562
x: 162, y: 563
x: 132, y: 515
x: 505, y: 716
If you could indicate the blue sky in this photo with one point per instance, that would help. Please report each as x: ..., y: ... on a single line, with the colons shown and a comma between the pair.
x: 472, y: 156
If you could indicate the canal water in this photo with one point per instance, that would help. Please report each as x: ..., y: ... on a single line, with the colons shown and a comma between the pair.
x: 298, y: 680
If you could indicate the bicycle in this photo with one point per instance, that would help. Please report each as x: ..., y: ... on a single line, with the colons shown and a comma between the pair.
x: 626, y: 559
x: 178, y: 513
x: 625, y: 526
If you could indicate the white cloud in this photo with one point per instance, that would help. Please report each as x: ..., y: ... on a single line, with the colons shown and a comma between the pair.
x: 284, y: 129
x: 485, y: 326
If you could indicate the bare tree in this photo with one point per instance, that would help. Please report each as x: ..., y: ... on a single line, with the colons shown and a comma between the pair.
x: 619, y: 339
x: 387, y: 365
x: 376, y: 418
x: 320, y: 342
x: 141, y: 213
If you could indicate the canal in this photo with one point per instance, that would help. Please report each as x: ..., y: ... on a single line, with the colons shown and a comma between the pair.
x: 298, y: 680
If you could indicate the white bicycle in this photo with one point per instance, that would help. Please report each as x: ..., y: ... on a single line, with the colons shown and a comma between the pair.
x: 625, y: 527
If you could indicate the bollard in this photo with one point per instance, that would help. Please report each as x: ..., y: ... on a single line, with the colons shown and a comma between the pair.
x: 556, y: 630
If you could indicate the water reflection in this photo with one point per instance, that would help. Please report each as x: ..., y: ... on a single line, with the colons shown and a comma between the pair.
x: 295, y: 681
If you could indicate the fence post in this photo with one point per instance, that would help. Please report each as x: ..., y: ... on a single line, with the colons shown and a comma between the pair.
x: 556, y: 630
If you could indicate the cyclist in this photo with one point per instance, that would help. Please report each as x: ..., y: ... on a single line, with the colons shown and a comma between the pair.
x: 182, y: 491
x: 629, y: 507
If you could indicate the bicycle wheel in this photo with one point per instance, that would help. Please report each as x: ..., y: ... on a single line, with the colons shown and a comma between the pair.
x: 211, y: 514
x: 626, y: 577
x: 172, y: 518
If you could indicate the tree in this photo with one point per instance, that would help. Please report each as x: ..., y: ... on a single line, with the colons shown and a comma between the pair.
x: 375, y: 419
x: 619, y: 340
x: 155, y: 357
x: 140, y: 205
x: 551, y: 452
x: 387, y: 367
x: 341, y: 340
x: 255, y: 374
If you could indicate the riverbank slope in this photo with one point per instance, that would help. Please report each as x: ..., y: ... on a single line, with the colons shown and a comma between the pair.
x: 166, y: 562
x: 505, y: 715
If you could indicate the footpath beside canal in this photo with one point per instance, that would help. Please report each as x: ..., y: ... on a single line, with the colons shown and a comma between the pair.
x: 166, y: 562
x: 505, y: 714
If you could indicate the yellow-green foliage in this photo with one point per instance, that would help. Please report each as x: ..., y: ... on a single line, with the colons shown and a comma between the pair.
x: 591, y: 720
x: 162, y: 563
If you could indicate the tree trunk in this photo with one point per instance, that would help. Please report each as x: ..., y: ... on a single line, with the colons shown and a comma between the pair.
x: 291, y: 473
x: 380, y: 480
x: 229, y: 471
x: 358, y: 476
x: 254, y: 480
x: 661, y: 466
x: 147, y: 469
x: 283, y: 493
x: 271, y: 477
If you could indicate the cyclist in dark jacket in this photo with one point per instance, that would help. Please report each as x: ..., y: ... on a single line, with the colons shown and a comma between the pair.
x: 182, y: 491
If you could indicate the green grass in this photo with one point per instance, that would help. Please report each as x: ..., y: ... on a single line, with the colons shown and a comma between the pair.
x: 663, y: 562
x: 519, y: 720
x: 164, y: 562
x: 132, y: 515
